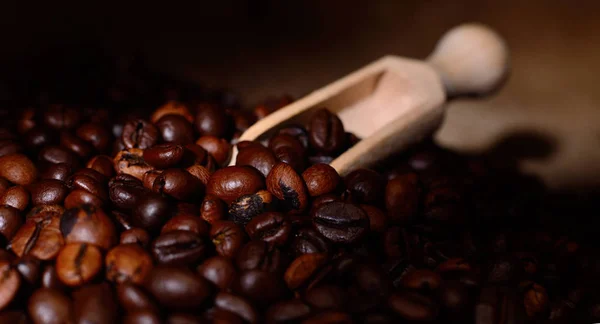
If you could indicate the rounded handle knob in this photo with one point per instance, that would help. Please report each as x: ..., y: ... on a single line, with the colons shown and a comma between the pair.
x: 471, y: 59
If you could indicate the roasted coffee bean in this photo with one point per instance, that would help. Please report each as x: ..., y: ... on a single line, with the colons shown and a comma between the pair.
x: 163, y: 156
x: 14, y: 317
x: 421, y: 279
x: 127, y: 262
x: 10, y: 281
x: 365, y: 186
x: 288, y: 311
x: 50, y: 278
x: 75, y: 144
x: 88, y: 224
x: 221, y: 316
x: 212, y: 209
x: 329, y: 317
x: 320, y: 179
x: 302, y: 269
x: 402, y: 198
x: 150, y: 177
x: 377, y: 218
x: 289, y: 150
x: 142, y: 317
x: 56, y: 154
x: 178, y: 248
x: 454, y: 299
x: 242, y: 120
x: 232, y: 182
x: 260, y: 286
x: 4, y: 185
x: 42, y: 239
x: 296, y: 131
x: 326, y: 297
x: 178, y: 184
x: 195, y: 154
x: 139, y: 134
x: 30, y: 269
x: 413, y: 306
x: 212, y: 120
x: 536, y: 300
x: 48, y: 192
x: 258, y: 255
x: 271, y: 105
x: 18, y: 169
x: 9, y: 147
x: 227, y: 237
x: 38, y: 137
x: 237, y: 305
x: 17, y: 197
x: 61, y: 116
x: 151, y: 212
x: 186, y: 222
x: 246, y: 207
x: 172, y: 107
x: 175, y: 129
x: 257, y: 156
x: 133, y: 298
x: 326, y: 132
x: 323, y: 200
x: 341, y: 222
x: 271, y: 227
x: 285, y: 184
x: 95, y: 176
x: 183, y: 318
x: 95, y: 134
x: 10, y: 221
x: 95, y: 304
x: 39, y: 213
x: 219, y: 148
x: 308, y: 240
x: 131, y: 162
x: 59, y: 171
x: 497, y: 305
x: 78, y: 263
x: 126, y: 192
x: 80, y: 197
x: 219, y: 270
x: 103, y: 164
x: 135, y: 235
x: 178, y: 288
x: 50, y: 306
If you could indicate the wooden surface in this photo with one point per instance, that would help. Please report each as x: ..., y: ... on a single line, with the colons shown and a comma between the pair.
x: 546, y: 118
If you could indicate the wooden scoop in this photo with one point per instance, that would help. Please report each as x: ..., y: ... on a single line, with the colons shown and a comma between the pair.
x: 395, y: 101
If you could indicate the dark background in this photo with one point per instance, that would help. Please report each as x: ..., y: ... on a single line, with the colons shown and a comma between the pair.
x: 546, y: 118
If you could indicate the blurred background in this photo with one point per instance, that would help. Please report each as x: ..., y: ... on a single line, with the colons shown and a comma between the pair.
x: 546, y: 118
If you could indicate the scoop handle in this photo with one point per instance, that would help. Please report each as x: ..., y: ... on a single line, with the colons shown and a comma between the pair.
x: 471, y: 59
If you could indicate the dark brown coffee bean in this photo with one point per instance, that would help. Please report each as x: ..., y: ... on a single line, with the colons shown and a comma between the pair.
x: 365, y: 186
x: 497, y: 305
x: 163, y: 156
x: 242, y: 120
x: 421, y: 279
x: 320, y: 179
x: 38, y: 137
x: 48, y: 192
x: 78, y: 263
x: 290, y: 150
x: 326, y: 132
x: 172, y: 107
x: 4, y: 185
x: 536, y: 300
x: 329, y: 317
x: 285, y: 184
x: 50, y: 278
x: 195, y: 154
x: 227, y: 237
x: 9, y: 147
x: 377, y: 218
x: 18, y: 169
x: 326, y: 297
x: 186, y: 222
x: 323, y: 200
x: 212, y: 120
x: 103, y: 164
x: 60, y: 116
x: 30, y: 269
x: 232, y: 182
x: 219, y: 148
x: 150, y: 177
x: 178, y: 248
x: 271, y: 227
x: 296, y: 131
x: 175, y: 129
x: 402, y: 198
x: 95, y: 134
x: 10, y: 221
x: 182, y: 318
x: 50, y: 306
x: 59, y: 171
x: 142, y: 317
x: 308, y: 240
x: 288, y: 311
x: 88, y: 224
x: 127, y: 262
x: 341, y: 222
x: 132, y: 163
x: 271, y: 105
x: 41, y: 239
x: 95, y: 304
x: 257, y: 156
x: 413, y: 307
x: 260, y: 286
x: 89, y: 184
x: 219, y: 270
x: 212, y: 209
x: 16, y: 196
x: 75, y: 144
x: 133, y: 298
x: 258, y: 255
x: 39, y: 213
x: 178, y: 288
x: 135, y: 235
x: 80, y: 197
x: 126, y: 194
x: 139, y: 134
x: 151, y: 212
x: 302, y: 269
x: 10, y: 281
x: 56, y: 154
x: 237, y: 305
x: 246, y: 207
x: 221, y: 316
x: 178, y: 184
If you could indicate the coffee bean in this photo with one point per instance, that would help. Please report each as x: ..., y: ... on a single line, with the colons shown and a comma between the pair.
x: 75, y: 144
x: 257, y: 156
x: 296, y: 131
x: 326, y: 297
x: 302, y: 269
x: 103, y: 164
x: 127, y: 262
x: 48, y: 192
x: 30, y: 269
x: 17, y: 197
x: 329, y: 317
x: 41, y: 239
x: 172, y: 107
x: 50, y: 278
x: 413, y: 306
x: 219, y: 148
x: 219, y: 270
x: 133, y: 298
x: 142, y: 317
x: 95, y: 134
x: 56, y: 154
x: 454, y: 299
x: 139, y: 134
x: 50, y: 305
x: 78, y: 263
x: 150, y: 177
x: 95, y: 304
x: 151, y: 212
x: 135, y: 235
x: 290, y: 150
x: 61, y: 116
x: 212, y: 120
x: 221, y: 316
x: 402, y: 198
x: 377, y: 218
x: 271, y: 105
x: 131, y: 162
x: 88, y: 224
x: 320, y: 179
x: 39, y: 213
x: 232, y: 182
x: 10, y: 281
x: 246, y: 207
x: 258, y: 255
x: 536, y: 300
x: 237, y: 305
x: 323, y: 200
x: 212, y: 209
x: 177, y: 288
x: 18, y: 169
x: 271, y: 227
x: 260, y: 286
x: 421, y: 279
x: 175, y: 129
x: 341, y: 222
x: 182, y: 318
x: 38, y: 137
x: 227, y: 237
x: 326, y: 132
x: 308, y: 240
x: 10, y: 221
x: 163, y: 156
x: 59, y: 171
x: 285, y: 184
x: 178, y: 248
x: 365, y: 186
x: 125, y: 192
x: 186, y: 222
x: 10, y: 147
x: 178, y: 184
x: 4, y: 185
x: 498, y: 304
x: 287, y: 311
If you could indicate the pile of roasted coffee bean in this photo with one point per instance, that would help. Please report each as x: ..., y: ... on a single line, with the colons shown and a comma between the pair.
x: 130, y: 214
